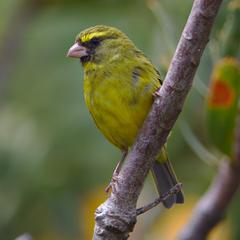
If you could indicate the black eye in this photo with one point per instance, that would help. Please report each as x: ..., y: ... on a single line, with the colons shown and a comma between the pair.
x: 95, y: 41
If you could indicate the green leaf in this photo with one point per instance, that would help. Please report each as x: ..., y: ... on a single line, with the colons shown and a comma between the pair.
x: 222, y: 104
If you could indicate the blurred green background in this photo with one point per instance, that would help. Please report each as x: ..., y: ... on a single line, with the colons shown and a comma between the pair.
x: 54, y: 163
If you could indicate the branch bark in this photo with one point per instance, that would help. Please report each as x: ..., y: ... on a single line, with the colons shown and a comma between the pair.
x: 212, y: 207
x: 116, y: 217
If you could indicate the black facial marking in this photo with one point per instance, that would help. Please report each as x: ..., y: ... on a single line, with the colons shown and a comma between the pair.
x: 85, y: 59
x: 95, y: 41
x: 91, y: 46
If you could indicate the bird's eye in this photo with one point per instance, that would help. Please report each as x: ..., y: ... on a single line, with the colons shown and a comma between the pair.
x: 95, y: 41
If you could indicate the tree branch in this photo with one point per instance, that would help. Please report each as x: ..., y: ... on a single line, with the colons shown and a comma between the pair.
x: 211, y: 208
x: 116, y: 217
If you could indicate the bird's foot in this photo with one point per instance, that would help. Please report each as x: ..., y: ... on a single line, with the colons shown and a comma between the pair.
x: 156, y: 94
x: 115, y: 174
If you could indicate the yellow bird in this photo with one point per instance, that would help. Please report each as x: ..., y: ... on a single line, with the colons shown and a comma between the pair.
x: 119, y: 84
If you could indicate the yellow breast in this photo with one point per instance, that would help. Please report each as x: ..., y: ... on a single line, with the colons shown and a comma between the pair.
x: 119, y: 98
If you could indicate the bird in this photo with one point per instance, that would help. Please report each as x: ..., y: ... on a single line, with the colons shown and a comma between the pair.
x: 119, y: 86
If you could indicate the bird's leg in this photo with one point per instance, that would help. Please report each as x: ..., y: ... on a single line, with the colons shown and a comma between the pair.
x: 119, y: 165
x: 116, y: 172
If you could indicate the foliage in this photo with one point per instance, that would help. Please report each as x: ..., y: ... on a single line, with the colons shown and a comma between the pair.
x: 223, y: 105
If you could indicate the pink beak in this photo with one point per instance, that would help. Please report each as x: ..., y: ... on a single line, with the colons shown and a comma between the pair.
x: 77, y: 51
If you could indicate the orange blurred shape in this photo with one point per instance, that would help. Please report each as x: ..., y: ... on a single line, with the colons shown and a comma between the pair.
x: 221, y: 94
x: 90, y: 202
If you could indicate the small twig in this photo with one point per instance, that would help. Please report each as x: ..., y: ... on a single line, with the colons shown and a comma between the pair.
x: 175, y: 189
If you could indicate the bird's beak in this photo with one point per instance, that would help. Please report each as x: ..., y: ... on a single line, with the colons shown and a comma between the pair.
x: 77, y: 51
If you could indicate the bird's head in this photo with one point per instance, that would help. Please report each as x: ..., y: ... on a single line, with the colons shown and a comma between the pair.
x: 98, y: 43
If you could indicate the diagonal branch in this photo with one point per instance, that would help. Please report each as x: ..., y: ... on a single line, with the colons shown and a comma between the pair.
x: 211, y: 209
x: 116, y: 217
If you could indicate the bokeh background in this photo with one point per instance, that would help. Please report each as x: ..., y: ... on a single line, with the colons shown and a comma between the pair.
x: 54, y: 163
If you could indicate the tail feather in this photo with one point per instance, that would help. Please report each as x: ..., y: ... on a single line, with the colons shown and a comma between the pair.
x: 165, y: 179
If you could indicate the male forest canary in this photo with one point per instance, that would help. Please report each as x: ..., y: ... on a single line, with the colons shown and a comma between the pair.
x: 119, y: 83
